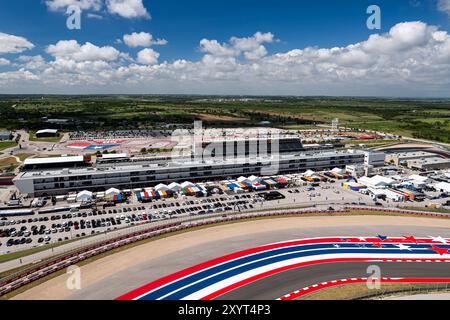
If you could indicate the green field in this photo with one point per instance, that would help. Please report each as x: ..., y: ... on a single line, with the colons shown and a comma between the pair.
x: 7, y: 144
x: 424, y: 119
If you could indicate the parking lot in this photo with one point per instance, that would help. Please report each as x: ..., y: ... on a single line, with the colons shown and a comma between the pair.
x: 25, y: 232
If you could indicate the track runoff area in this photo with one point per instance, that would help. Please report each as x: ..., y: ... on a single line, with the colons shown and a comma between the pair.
x: 264, y: 272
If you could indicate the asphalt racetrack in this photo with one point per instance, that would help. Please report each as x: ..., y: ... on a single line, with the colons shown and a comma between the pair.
x: 115, y: 275
x: 276, y: 286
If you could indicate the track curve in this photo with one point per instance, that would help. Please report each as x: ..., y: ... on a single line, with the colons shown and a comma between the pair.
x: 227, y: 274
x: 114, y: 275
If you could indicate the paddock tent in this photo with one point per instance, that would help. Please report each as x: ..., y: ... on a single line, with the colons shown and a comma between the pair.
x: 112, y: 192
x: 161, y: 187
x: 175, y: 187
x: 84, y: 196
x: 376, y: 181
x: 254, y: 179
x: 187, y: 184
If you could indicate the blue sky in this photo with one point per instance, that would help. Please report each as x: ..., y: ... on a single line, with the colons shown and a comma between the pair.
x: 295, y: 25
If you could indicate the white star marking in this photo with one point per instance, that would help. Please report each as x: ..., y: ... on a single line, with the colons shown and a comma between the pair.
x: 402, y: 247
x: 439, y: 239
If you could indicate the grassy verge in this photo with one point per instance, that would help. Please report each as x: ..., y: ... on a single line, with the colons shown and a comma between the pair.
x: 7, y: 144
x: 357, y: 291
x: 131, y: 245
x: 23, y: 156
x: 428, y: 209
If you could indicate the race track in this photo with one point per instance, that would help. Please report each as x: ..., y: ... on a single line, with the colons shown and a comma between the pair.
x: 217, y: 277
x: 116, y: 275
x: 276, y: 286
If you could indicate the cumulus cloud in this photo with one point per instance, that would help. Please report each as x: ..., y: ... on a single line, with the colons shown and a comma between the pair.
x: 251, y: 47
x: 444, y: 6
x: 127, y: 8
x: 413, y: 58
x: 4, y: 62
x: 62, y: 5
x: 13, y: 44
x: 71, y: 49
x: 142, y: 39
x: 148, y: 56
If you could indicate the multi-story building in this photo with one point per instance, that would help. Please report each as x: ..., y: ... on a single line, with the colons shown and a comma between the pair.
x: 144, y: 174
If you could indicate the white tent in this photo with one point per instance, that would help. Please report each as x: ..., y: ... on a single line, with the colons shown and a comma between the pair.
x: 112, y: 192
x: 242, y: 179
x: 176, y: 187
x: 309, y: 173
x: 187, y: 184
x: 419, y: 180
x: 254, y: 179
x: 161, y: 187
x: 376, y: 181
x: 84, y: 196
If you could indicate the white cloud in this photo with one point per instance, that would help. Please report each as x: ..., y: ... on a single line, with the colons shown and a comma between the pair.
x: 13, y: 44
x: 95, y: 16
x: 142, y: 39
x: 70, y: 49
x: 444, y: 6
x: 127, y: 8
x: 4, y: 62
x: 148, y: 56
x: 61, y: 5
x: 32, y: 62
x: 412, y: 59
x: 251, y: 47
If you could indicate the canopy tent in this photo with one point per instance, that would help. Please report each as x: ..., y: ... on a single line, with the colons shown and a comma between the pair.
x: 187, y: 184
x: 84, y: 196
x: 309, y: 173
x: 161, y: 187
x: 112, y: 192
x: 254, y: 179
x: 176, y: 187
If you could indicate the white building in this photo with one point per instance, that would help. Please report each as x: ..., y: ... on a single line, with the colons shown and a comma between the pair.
x: 419, y: 181
x: 153, y: 172
x: 376, y: 159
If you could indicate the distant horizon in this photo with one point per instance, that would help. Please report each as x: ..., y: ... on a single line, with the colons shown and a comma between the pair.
x: 220, y: 95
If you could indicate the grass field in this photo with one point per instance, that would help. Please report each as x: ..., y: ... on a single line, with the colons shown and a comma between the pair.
x: 23, y: 156
x: 425, y: 119
x: 358, y: 291
x: 8, y: 164
x: 7, y: 144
